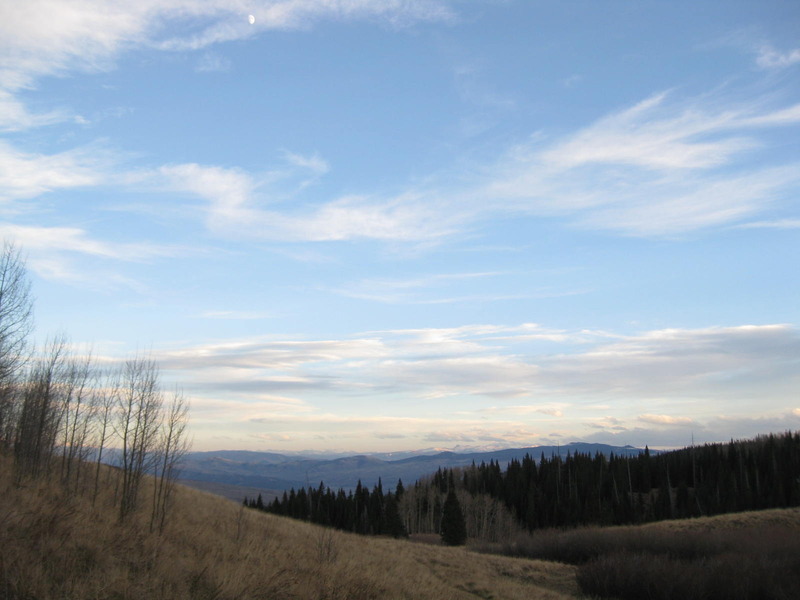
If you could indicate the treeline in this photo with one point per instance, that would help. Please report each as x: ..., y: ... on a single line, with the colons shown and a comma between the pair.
x: 579, y: 489
x: 359, y: 511
x: 437, y: 505
x: 61, y: 414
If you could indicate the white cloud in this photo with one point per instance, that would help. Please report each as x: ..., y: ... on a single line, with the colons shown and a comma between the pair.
x: 71, y: 239
x: 52, y: 251
x: 210, y: 62
x: 14, y: 115
x: 770, y: 58
x: 552, y: 409
x: 665, y: 420
x: 658, y: 168
x: 486, y: 377
x: 777, y: 224
x: 47, y: 37
x: 228, y: 191
x: 609, y: 423
x: 314, y: 163
x: 641, y: 137
x: 693, y: 203
x: 25, y: 175
x: 714, y: 429
x: 396, y: 291
x: 497, y: 436
x: 235, y: 315
x: 233, y: 209
x: 263, y: 406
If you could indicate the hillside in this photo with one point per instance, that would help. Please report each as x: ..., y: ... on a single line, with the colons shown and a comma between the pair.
x: 271, y: 471
x: 55, y: 545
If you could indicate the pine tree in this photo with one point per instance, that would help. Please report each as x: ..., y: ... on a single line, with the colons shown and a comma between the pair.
x: 394, y: 523
x: 454, y: 528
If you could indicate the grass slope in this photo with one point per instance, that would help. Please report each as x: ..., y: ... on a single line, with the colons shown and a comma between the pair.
x: 738, y: 556
x: 56, y: 545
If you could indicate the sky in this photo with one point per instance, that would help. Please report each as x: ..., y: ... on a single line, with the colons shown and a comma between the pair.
x: 384, y: 225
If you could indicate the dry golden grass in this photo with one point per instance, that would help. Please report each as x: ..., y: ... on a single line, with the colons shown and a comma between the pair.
x: 776, y: 517
x: 57, y: 546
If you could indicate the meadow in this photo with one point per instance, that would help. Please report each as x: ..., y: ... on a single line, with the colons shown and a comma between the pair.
x: 54, y: 545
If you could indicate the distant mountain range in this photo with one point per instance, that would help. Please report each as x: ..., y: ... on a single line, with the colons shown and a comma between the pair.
x: 269, y: 471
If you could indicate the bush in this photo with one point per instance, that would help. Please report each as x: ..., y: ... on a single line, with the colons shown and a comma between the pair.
x: 748, y: 565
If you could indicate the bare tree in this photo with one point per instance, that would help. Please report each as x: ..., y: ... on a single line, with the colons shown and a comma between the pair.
x: 78, y: 409
x: 172, y: 448
x: 16, y: 322
x: 41, y: 413
x: 104, y: 400
x: 137, y: 423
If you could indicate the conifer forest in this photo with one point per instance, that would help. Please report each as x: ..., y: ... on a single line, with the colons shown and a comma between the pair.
x: 580, y: 489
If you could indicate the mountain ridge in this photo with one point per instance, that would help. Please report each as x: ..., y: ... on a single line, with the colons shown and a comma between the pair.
x: 274, y: 472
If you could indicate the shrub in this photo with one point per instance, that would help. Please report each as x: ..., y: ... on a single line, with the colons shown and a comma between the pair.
x: 750, y: 565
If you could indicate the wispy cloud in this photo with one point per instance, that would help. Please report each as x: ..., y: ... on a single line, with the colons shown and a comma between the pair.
x: 235, y: 315
x: 46, y: 37
x: 314, y: 163
x: 720, y: 428
x: 52, y: 253
x: 15, y: 116
x: 659, y: 168
x: 231, y: 196
x: 776, y: 224
x: 770, y: 58
x: 210, y: 62
x: 472, y: 88
x: 665, y: 420
x: 412, y: 290
x: 72, y: 239
x: 26, y: 175
x: 498, y: 383
x: 552, y: 409
x: 633, y: 137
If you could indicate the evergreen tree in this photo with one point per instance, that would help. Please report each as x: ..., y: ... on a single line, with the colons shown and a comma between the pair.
x: 394, y: 523
x: 454, y: 528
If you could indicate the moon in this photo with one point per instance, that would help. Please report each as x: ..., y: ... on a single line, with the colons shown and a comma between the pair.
x: 252, y: 19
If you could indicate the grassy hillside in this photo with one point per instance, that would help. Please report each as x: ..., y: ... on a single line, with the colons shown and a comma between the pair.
x: 56, y: 545
x: 739, y: 556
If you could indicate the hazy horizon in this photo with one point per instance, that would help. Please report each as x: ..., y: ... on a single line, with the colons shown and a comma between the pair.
x: 370, y: 226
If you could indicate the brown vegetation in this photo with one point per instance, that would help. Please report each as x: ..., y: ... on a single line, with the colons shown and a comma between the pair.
x: 742, y: 556
x: 54, y: 544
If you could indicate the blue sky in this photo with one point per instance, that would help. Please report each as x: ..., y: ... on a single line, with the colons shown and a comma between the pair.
x: 364, y: 225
